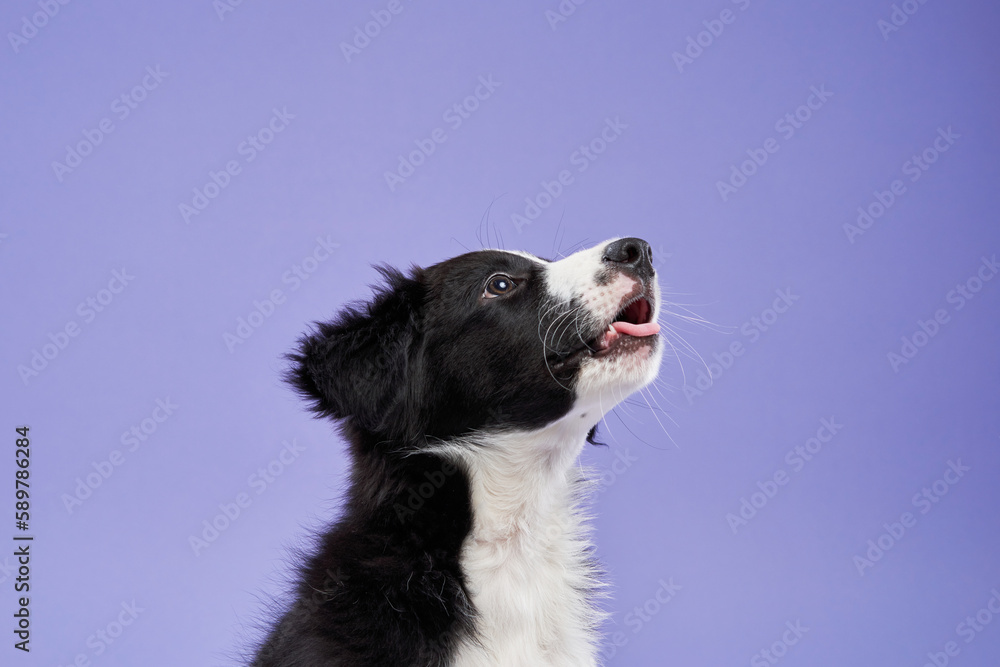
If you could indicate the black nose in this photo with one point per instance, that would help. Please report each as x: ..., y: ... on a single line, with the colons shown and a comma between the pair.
x: 631, y: 255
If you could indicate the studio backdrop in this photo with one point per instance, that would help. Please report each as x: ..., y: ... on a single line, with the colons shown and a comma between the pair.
x: 186, y: 186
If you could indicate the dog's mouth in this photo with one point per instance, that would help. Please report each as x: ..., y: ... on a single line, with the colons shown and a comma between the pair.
x: 632, y: 323
x: 634, y: 320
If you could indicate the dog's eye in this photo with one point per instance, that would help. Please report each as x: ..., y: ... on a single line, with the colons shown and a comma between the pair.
x: 499, y: 285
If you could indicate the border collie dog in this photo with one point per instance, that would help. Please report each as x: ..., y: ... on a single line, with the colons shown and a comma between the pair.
x: 466, y: 392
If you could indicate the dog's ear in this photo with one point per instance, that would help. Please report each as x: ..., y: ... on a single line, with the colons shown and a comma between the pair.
x: 356, y: 367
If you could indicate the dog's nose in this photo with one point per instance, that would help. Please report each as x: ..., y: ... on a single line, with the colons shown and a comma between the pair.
x: 632, y: 255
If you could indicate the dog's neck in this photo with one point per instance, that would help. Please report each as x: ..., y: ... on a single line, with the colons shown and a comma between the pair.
x: 521, y: 479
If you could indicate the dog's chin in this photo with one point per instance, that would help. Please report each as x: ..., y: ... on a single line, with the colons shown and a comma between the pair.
x: 628, y: 364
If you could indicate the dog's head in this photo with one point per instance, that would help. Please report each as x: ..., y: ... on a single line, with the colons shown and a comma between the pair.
x: 489, y: 339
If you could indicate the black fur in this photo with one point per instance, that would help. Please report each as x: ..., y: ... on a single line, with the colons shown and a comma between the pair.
x: 426, y: 359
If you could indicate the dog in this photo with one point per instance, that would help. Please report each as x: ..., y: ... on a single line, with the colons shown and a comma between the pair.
x: 466, y: 391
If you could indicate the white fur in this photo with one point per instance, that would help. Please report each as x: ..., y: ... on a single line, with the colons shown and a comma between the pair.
x: 526, y: 557
x: 569, y: 277
x: 525, y: 560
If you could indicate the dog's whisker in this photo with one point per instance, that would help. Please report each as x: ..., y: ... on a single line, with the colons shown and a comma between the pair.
x: 655, y: 416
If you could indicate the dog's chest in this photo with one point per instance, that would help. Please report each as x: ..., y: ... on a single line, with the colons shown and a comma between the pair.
x: 528, y: 575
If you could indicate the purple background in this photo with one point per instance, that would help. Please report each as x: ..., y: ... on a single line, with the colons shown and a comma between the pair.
x: 690, y: 462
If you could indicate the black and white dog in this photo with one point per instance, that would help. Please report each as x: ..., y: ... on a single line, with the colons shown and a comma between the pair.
x: 467, y: 390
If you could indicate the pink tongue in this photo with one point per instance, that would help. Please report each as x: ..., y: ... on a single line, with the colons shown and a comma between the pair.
x: 630, y: 329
